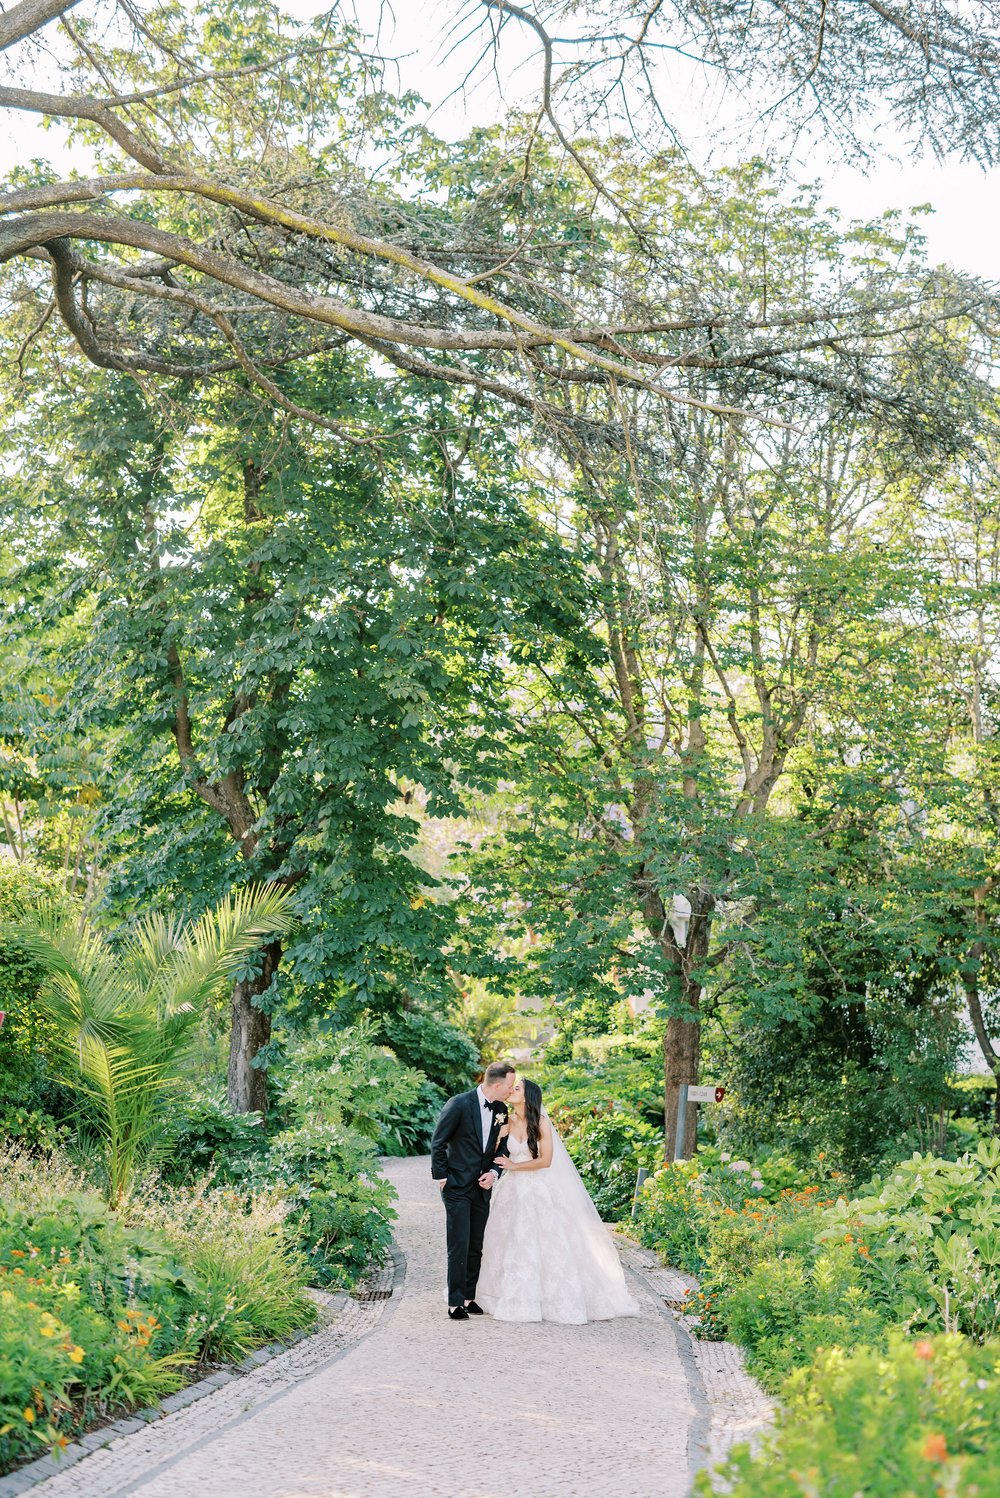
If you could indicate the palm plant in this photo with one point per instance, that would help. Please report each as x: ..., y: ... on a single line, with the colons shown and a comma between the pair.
x: 124, y: 1013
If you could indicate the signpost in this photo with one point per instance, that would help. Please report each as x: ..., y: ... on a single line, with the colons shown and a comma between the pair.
x: 640, y: 1176
x: 685, y: 1095
x: 706, y: 1094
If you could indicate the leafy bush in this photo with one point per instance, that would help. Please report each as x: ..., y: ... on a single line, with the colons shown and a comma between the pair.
x: 350, y: 1080
x: 940, y: 1218
x: 243, y: 1256
x: 975, y: 1097
x: 31, y: 1101
x: 340, y: 1101
x: 918, y: 1417
x: 122, y: 1016
x: 340, y: 1206
x: 206, y: 1138
x: 583, y: 1089
x: 919, y: 1250
x: 607, y: 1151
x: 428, y: 1043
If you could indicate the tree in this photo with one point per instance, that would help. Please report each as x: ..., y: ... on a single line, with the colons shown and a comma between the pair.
x: 177, y: 259
x: 283, y: 647
x: 745, y: 627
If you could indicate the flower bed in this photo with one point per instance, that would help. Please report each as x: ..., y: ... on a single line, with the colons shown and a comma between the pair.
x: 102, y: 1311
x: 832, y: 1299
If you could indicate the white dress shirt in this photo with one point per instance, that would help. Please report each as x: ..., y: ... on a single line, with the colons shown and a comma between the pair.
x: 485, y: 1116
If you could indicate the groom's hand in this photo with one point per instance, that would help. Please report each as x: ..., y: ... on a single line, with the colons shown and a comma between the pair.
x: 443, y: 1184
x: 488, y: 1179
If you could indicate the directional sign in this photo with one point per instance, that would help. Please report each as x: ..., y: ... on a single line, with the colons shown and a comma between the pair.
x: 706, y: 1094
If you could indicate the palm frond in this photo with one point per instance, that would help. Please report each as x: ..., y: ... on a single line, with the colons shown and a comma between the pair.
x: 212, y: 951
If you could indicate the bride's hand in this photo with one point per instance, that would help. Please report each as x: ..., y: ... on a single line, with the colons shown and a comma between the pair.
x: 504, y: 1162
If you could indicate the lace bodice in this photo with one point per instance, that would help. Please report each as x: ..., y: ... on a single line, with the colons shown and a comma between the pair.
x: 518, y: 1148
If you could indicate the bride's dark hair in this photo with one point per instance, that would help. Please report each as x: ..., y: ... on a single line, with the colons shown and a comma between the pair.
x: 532, y: 1113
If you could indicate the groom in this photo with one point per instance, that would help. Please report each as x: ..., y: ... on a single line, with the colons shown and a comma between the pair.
x: 462, y: 1151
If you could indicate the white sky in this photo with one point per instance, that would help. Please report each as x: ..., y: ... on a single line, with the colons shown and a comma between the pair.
x: 964, y: 229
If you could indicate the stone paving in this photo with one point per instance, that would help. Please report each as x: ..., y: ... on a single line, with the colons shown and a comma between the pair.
x: 394, y: 1399
x: 739, y: 1410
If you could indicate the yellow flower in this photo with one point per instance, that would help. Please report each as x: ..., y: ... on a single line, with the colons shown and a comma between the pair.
x: 76, y: 1355
x: 28, y: 1414
x: 47, y: 1330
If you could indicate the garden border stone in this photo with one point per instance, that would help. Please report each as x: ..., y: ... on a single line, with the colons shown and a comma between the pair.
x: 24, y: 1478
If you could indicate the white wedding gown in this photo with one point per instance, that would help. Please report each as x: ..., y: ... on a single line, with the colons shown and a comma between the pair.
x: 547, y: 1256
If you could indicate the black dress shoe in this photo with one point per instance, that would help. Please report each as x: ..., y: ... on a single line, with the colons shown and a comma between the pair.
x: 457, y: 1313
x: 473, y: 1309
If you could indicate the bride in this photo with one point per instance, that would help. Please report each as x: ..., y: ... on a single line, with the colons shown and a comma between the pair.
x: 546, y: 1256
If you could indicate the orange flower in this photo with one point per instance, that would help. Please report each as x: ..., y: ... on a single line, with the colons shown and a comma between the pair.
x: 863, y: 1249
x: 923, y: 1349
x: 935, y: 1449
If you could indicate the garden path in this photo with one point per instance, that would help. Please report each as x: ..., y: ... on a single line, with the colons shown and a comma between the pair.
x: 422, y: 1405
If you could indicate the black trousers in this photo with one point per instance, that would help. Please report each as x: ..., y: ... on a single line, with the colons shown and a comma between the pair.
x: 467, y: 1211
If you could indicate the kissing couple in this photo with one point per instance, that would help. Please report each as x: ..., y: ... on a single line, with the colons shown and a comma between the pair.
x: 525, y: 1242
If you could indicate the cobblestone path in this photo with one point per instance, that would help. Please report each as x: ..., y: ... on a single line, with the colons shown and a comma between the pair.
x: 428, y: 1408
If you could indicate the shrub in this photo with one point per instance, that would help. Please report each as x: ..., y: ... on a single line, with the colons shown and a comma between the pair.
x: 103, y: 1309
x: 340, y: 1207
x: 206, y: 1138
x: 578, y: 1090
x: 428, y: 1043
x: 608, y: 1151
x: 350, y: 1080
x: 31, y: 1102
x: 247, y: 1273
x: 122, y: 1017
x: 917, y: 1417
x: 935, y: 1223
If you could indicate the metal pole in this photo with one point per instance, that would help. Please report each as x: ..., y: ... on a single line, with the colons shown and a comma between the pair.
x: 682, y: 1103
x: 640, y: 1176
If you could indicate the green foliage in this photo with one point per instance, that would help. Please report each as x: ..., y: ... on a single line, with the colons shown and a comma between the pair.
x: 424, y: 1041
x: 938, y: 1221
x: 349, y: 1080
x: 488, y: 1019
x: 340, y: 1206
x: 608, y: 1151
x: 789, y: 1275
x: 580, y: 1089
x: 122, y: 1019
x: 31, y: 1102
x: 914, y: 1417
x: 204, y: 1137
x: 103, y: 1310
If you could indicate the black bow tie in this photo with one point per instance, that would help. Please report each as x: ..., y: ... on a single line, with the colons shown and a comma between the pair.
x: 495, y: 1107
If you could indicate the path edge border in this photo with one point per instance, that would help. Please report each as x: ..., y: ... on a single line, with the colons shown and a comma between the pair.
x: 700, y: 1429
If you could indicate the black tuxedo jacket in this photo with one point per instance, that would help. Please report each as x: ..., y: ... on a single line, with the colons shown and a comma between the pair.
x: 457, y: 1152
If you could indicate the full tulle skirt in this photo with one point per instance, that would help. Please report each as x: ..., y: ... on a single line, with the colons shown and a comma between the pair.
x: 547, y: 1256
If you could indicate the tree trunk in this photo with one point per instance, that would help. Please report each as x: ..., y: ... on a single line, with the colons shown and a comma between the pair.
x: 682, y: 1038
x: 681, y: 1053
x: 251, y: 1029
x: 970, y: 982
